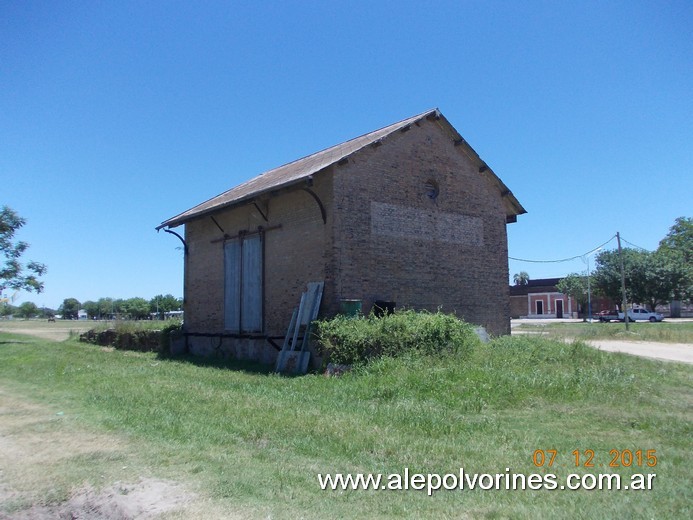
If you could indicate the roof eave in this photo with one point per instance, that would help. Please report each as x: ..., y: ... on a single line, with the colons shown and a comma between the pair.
x: 181, y: 219
x: 512, y: 205
x: 515, y: 208
x: 191, y: 214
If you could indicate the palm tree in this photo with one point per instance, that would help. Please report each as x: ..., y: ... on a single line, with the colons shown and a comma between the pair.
x: 521, y: 278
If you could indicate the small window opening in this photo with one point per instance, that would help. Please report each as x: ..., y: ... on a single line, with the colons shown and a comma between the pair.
x: 431, y: 189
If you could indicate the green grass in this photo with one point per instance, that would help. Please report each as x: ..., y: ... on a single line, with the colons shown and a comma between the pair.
x: 132, y: 326
x: 349, y: 340
x: 256, y: 441
x: 665, y: 332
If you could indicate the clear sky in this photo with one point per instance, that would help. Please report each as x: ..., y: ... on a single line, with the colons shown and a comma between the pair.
x: 115, y: 116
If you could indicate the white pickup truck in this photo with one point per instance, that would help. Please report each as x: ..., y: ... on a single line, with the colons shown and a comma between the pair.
x: 633, y: 315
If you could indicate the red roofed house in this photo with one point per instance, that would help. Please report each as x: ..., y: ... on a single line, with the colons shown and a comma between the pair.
x: 408, y: 214
x: 541, y: 298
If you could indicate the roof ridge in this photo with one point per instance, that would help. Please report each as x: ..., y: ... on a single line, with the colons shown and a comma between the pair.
x: 386, y: 130
x: 299, y: 170
x: 393, y: 125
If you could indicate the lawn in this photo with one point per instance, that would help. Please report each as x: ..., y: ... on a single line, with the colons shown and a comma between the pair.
x: 665, y: 332
x: 62, y: 329
x: 251, y: 443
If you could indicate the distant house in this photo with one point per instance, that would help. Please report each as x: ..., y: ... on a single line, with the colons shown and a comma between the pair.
x: 407, y: 214
x: 541, y: 299
x: 82, y: 315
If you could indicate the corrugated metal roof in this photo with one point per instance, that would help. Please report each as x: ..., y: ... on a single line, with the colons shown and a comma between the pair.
x: 298, y: 170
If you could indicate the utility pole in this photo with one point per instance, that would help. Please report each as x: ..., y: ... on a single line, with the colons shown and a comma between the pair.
x: 586, y: 259
x: 624, y: 305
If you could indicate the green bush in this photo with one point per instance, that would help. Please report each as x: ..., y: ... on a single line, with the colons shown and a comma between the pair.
x: 355, y: 340
x: 172, y: 330
x: 134, y: 335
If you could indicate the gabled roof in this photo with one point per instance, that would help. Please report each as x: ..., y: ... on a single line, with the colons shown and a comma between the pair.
x: 298, y: 171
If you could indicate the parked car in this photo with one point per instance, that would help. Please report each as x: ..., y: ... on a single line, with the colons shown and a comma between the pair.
x: 633, y: 315
x: 607, y: 315
x: 643, y: 315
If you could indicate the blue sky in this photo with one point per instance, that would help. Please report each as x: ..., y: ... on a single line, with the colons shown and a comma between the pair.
x: 117, y: 115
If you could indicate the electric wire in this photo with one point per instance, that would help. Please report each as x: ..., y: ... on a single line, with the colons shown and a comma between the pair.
x: 563, y: 259
x: 634, y: 245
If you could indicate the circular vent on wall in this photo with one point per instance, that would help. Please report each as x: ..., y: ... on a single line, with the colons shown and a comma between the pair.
x: 431, y: 189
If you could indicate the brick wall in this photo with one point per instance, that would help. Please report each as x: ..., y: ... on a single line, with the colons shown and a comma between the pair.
x: 385, y: 238
x: 518, y: 306
x: 393, y: 242
x: 294, y: 255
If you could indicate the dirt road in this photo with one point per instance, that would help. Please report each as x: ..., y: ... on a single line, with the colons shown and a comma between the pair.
x: 682, y: 352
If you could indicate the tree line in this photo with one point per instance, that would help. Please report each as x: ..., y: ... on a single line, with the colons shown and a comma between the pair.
x: 17, y: 275
x: 103, y: 308
x: 652, y: 277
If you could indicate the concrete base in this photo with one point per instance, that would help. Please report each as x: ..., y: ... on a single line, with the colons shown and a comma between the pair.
x: 250, y: 349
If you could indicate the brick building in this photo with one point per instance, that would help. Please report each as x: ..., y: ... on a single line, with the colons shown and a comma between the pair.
x: 408, y: 213
x: 541, y: 298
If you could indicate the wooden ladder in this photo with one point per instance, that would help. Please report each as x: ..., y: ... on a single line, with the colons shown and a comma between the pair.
x: 293, y: 359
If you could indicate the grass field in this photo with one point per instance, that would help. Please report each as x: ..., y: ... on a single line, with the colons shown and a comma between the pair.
x: 665, y: 332
x: 249, y: 444
x: 60, y: 330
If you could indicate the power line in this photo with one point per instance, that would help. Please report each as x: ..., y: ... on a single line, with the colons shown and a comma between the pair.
x: 562, y: 259
x: 634, y: 245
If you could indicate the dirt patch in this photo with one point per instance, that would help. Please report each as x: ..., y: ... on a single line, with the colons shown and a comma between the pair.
x: 148, y: 498
x: 46, y: 460
x: 682, y: 352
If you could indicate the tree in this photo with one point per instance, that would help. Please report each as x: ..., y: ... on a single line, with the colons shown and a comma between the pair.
x: 8, y: 310
x: 645, y: 279
x: 92, y: 308
x: 675, y: 256
x: 521, y: 278
x: 106, y: 308
x: 119, y: 308
x: 646, y: 276
x: 136, y: 308
x: 69, y: 308
x: 575, y: 286
x: 680, y: 238
x: 28, y: 310
x: 164, y: 303
x: 46, y: 312
x: 13, y: 273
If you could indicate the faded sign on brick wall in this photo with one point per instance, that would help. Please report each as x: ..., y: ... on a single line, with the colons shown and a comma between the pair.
x: 406, y: 222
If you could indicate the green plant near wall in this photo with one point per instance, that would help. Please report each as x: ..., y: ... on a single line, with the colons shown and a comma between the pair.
x: 171, y: 330
x: 356, y: 340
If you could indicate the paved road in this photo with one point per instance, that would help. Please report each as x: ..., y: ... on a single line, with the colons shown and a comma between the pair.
x: 682, y: 352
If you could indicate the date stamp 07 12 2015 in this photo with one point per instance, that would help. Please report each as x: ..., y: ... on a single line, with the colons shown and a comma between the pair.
x: 587, y: 458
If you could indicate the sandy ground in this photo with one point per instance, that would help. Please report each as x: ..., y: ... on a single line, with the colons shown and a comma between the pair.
x: 52, y: 468
x: 682, y: 352
x: 39, y: 452
x: 145, y: 499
